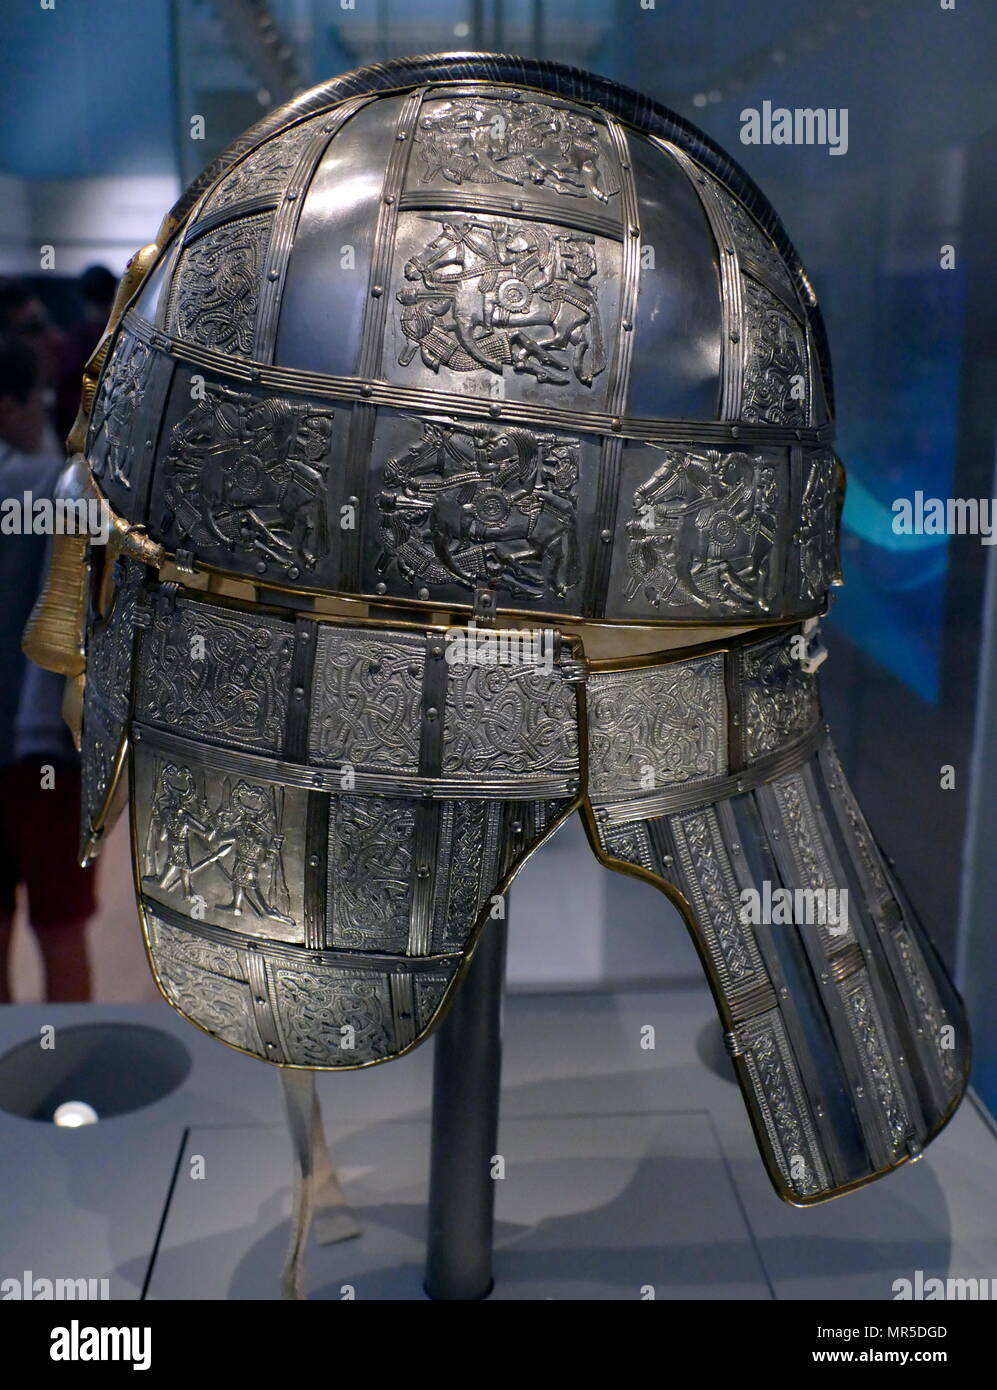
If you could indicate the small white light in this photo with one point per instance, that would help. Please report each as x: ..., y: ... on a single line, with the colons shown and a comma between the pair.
x: 73, y: 1113
x: 461, y: 30
x: 699, y: 99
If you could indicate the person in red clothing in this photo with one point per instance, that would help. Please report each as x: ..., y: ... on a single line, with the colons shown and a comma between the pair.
x: 39, y: 767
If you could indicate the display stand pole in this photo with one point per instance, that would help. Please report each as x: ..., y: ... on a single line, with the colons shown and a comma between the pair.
x: 466, y: 1081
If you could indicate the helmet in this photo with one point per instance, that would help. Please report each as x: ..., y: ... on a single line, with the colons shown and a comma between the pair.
x: 447, y: 344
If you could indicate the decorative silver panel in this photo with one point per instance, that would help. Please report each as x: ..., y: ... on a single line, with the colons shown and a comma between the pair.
x: 323, y: 1014
x: 216, y: 674
x: 779, y: 698
x: 107, y: 694
x: 117, y: 404
x: 470, y: 505
x: 242, y: 483
x: 709, y: 881
x: 525, y: 149
x: 219, y: 848
x: 776, y: 372
x: 756, y: 252
x: 265, y: 171
x: 366, y: 701
x: 656, y: 726
x: 216, y: 286
x: 705, y: 532
x: 370, y: 873
x: 788, y: 1122
x: 818, y: 528
x: 502, y: 308
x: 508, y: 719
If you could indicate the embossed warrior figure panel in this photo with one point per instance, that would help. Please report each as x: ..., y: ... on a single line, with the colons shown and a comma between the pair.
x: 249, y: 472
x: 114, y: 410
x: 704, y: 532
x: 494, y: 294
x: 241, y: 835
x: 478, y: 140
x: 473, y: 504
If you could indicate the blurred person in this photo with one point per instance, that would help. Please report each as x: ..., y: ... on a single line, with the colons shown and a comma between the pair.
x: 39, y: 767
x: 97, y: 287
x: 24, y: 317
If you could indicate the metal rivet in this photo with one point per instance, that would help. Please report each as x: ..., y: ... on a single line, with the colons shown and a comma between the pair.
x: 380, y: 588
x: 729, y: 250
x: 389, y: 198
x: 424, y: 593
x: 261, y: 567
x: 735, y: 431
x: 616, y: 423
x: 148, y: 443
x: 494, y: 411
x: 605, y: 535
x: 293, y: 572
x: 291, y: 194
x: 260, y: 999
x: 423, y: 871
x: 274, y: 275
x: 627, y: 325
x: 735, y: 337
x: 313, y: 861
x: 401, y: 135
x: 635, y: 231
x: 432, y: 713
x: 516, y: 827
x: 436, y: 653
x: 366, y: 390
x: 137, y: 735
x: 667, y: 859
x: 735, y: 849
x: 299, y: 692
x: 517, y: 206
x: 272, y: 1047
x: 377, y: 291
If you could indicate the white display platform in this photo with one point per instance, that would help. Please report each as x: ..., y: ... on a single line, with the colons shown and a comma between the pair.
x: 624, y: 1168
